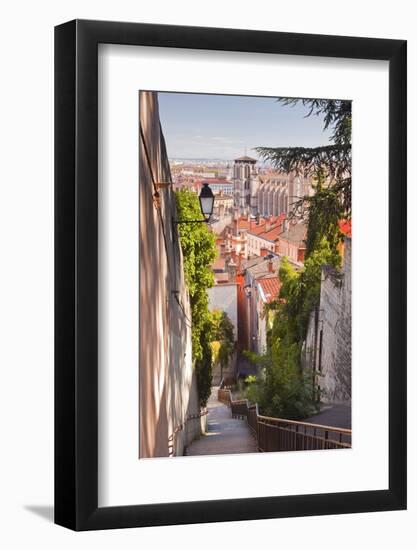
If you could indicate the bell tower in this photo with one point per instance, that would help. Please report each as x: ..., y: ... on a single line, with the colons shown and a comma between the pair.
x: 245, y: 183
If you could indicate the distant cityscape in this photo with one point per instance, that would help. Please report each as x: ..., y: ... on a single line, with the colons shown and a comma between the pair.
x: 245, y: 189
x: 253, y: 220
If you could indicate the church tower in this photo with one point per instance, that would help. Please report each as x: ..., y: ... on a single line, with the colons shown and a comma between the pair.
x: 245, y: 183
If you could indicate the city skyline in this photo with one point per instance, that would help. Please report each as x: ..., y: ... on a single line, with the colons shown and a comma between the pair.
x: 223, y: 127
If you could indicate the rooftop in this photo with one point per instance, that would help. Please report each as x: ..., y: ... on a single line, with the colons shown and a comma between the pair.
x: 270, y: 288
x: 274, y: 225
x: 261, y: 268
x: 273, y: 234
x: 245, y: 158
x: 258, y: 266
x: 295, y: 233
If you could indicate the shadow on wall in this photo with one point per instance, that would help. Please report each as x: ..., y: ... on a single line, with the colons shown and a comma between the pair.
x: 165, y: 368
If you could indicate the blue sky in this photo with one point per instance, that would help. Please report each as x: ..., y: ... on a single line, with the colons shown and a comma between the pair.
x: 221, y: 126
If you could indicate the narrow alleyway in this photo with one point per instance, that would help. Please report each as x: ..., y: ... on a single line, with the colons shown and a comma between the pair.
x: 225, y: 435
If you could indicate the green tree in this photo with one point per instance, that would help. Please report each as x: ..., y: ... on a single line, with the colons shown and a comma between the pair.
x: 223, y: 338
x: 203, y: 363
x: 199, y: 250
x: 283, y: 389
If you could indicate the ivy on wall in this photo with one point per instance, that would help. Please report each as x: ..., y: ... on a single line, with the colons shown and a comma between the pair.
x: 199, y: 251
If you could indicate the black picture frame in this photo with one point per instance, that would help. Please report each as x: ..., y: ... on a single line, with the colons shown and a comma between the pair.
x: 76, y: 272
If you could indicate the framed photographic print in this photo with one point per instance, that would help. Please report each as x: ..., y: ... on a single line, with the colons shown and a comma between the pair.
x: 230, y: 338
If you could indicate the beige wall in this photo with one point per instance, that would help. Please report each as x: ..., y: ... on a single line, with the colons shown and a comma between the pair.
x: 168, y: 395
x: 286, y: 248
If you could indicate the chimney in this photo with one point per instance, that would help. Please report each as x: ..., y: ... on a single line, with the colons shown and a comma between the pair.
x: 264, y: 252
x: 231, y: 270
x: 270, y: 267
x: 301, y: 254
x: 284, y: 225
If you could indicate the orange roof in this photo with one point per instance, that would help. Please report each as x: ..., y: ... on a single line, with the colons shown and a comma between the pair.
x: 254, y: 228
x: 243, y: 223
x: 345, y: 227
x: 270, y: 287
x: 273, y: 233
x: 257, y: 229
x: 275, y: 229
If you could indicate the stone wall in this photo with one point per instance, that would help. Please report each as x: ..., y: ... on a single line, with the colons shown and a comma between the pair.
x: 328, y: 346
x: 167, y: 387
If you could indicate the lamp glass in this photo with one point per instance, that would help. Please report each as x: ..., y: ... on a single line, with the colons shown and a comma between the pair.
x: 206, y: 201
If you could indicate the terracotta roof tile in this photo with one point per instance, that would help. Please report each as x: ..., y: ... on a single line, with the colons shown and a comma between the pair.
x: 295, y: 234
x: 273, y: 233
x: 270, y: 288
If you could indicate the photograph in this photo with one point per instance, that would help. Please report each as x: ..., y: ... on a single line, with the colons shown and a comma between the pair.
x: 245, y: 247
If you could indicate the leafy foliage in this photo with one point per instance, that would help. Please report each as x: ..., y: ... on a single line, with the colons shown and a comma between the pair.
x: 223, y: 338
x: 203, y: 364
x: 283, y: 389
x: 199, y: 251
x: 323, y: 214
x: 308, y: 160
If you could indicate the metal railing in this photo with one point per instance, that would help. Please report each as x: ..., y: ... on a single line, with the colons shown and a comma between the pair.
x: 280, y: 434
x: 277, y: 434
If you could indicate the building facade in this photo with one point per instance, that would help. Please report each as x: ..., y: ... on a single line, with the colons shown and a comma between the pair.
x: 218, y: 186
x: 292, y: 241
x: 276, y: 194
x: 264, y: 235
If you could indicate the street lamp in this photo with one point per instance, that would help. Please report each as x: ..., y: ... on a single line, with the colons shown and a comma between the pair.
x: 206, y: 199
